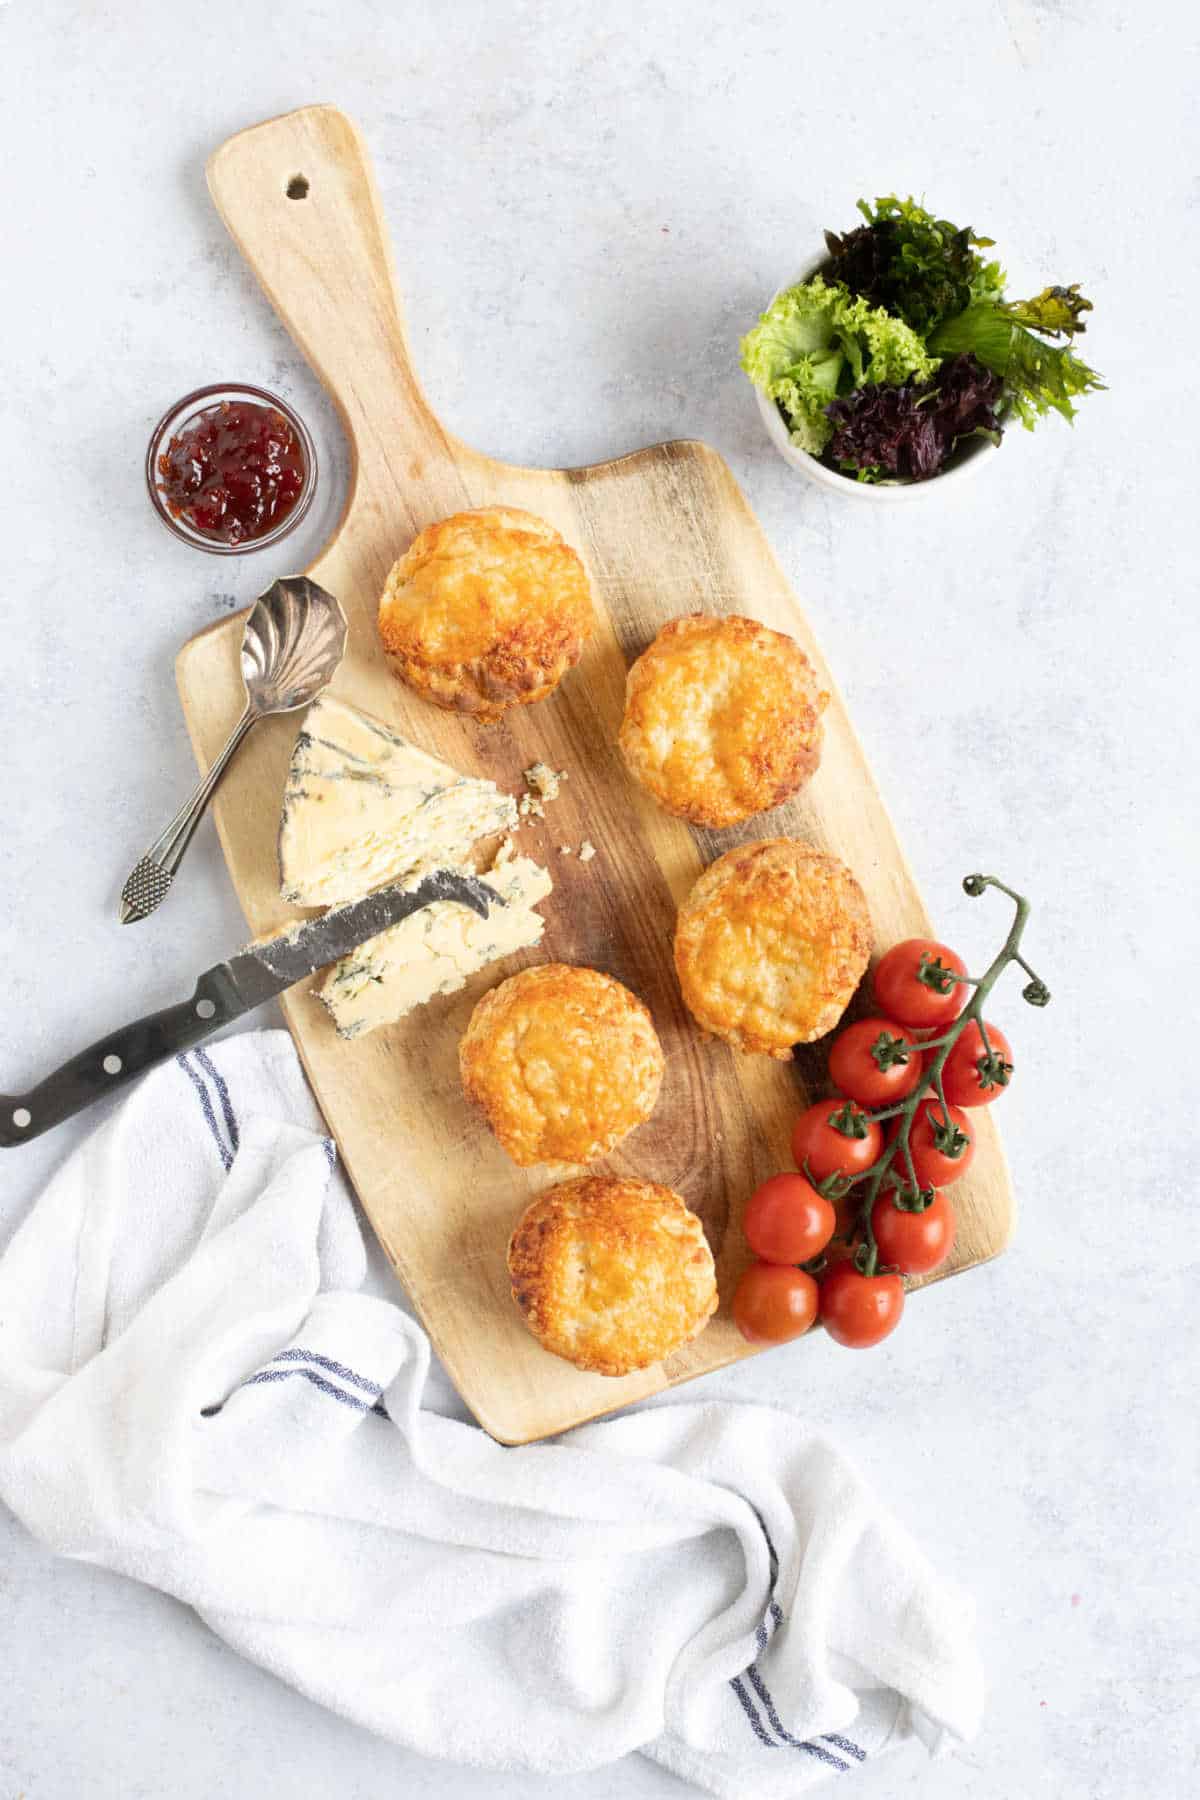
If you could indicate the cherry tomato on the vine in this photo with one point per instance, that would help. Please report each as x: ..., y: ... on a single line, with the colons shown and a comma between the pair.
x: 860, y: 1310
x: 972, y: 1077
x: 875, y: 1062
x: 913, y: 1242
x: 835, y: 1137
x: 772, y: 1304
x: 916, y: 991
x: 941, y: 1151
x: 787, y: 1221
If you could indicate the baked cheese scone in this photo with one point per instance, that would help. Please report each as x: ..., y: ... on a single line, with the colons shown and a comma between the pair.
x: 562, y: 1062
x: 770, y: 945
x: 612, y: 1274
x: 722, y: 718
x: 486, y: 610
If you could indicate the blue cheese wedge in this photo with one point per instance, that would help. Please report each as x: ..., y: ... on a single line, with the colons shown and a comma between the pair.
x: 434, y: 951
x: 363, y: 807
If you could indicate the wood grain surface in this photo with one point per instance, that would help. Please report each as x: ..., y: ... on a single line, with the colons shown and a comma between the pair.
x: 663, y: 531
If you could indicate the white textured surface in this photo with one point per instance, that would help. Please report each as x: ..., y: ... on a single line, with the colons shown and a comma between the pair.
x: 587, y: 204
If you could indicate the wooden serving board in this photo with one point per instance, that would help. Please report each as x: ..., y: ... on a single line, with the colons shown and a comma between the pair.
x: 663, y: 532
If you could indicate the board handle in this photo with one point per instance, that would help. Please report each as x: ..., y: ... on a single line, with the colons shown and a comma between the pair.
x: 298, y: 196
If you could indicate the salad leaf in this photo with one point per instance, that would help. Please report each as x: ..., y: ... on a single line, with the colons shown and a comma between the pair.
x: 803, y: 396
x: 1056, y: 311
x: 920, y: 268
x: 1037, y: 375
x: 797, y: 322
x: 907, y: 431
x: 816, y: 341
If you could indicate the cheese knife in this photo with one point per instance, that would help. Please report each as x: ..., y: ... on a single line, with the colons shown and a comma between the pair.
x: 222, y: 994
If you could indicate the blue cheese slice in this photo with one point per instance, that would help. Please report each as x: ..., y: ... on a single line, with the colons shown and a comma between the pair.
x: 434, y: 951
x: 363, y: 807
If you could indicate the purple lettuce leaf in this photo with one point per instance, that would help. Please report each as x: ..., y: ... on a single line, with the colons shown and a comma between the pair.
x: 906, y: 431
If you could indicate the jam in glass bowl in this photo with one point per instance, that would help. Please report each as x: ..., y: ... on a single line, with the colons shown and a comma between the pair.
x: 231, y: 468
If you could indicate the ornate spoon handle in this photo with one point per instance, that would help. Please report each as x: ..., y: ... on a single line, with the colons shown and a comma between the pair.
x: 150, y: 880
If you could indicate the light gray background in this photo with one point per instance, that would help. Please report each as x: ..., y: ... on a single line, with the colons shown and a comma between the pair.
x: 588, y: 203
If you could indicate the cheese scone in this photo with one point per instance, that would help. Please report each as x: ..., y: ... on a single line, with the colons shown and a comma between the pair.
x: 612, y: 1274
x: 486, y: 610
x: 562, y: 1062
x: 770, y: 945
x: 722, y: 718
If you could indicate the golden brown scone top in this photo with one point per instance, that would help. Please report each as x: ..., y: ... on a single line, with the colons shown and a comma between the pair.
x: 486, y: 610
x: 770, y: 945
x: 563, y: 1062
x: 722, y: 718
x: 612, y: 1274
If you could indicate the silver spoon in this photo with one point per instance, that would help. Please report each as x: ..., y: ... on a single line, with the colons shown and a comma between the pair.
x: 294, y: 639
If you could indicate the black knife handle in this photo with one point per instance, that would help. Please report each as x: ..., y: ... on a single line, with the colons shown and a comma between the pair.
x: 114, y: 1061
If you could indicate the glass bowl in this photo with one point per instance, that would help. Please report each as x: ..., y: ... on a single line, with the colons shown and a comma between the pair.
x: 181, y: 414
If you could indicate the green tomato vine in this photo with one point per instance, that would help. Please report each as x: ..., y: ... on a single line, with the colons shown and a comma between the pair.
x: 853, y: 1121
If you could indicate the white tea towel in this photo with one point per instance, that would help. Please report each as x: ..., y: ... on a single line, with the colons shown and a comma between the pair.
x: 196, y: 1390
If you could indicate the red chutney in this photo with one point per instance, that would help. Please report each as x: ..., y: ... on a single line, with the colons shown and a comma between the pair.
x: 233, y: 472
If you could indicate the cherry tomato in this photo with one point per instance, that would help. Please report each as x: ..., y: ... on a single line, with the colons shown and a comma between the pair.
x: 847, y: 1147
x: 970, y: 1076
x: 913, y: 994
x: 940, y: 1152
x: 875, y: 1062
x: 772, y: 1304
x: 913, y: 1242
x: 787, y: 1221
x: 860, y: 1310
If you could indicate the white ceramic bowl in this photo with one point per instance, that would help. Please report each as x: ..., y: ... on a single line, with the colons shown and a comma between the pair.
x: 972, y: 455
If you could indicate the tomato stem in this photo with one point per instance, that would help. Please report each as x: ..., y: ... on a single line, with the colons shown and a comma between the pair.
x: 1036, y: 993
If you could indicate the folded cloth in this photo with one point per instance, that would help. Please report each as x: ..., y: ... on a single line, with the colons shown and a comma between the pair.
x: 196, y: 1390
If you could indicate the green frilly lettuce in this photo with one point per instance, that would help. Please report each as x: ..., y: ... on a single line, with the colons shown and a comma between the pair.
x: 816, y: 341
x: 1037, y: 375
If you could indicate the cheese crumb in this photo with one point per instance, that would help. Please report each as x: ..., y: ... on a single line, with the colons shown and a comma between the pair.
x: 544, y: 781
x: 586, y: 850
x: 565, y: 850
x: 544, y: 784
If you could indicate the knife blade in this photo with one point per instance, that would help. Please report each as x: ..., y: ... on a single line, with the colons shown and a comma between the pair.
x: 223, y: 993
x: 267, y: 967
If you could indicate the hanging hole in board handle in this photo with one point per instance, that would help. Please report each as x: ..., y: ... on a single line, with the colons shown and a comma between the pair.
x: 205, y: 1009
x: 22, y: 1117
x: 297, y: 188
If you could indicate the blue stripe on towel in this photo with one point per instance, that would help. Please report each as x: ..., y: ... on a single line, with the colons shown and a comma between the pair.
x: 207, y: 1109
x: 843, y: 1743
x: 373, y: 1388
x: 335, y: 1368
x: 318, y: 1381
x: 810, y: 1749
x: 754, y: 1676
x: 218, y: 1081
x: 751, y: 1712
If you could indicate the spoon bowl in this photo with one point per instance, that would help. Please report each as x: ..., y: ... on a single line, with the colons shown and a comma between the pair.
x: 293, y: 642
